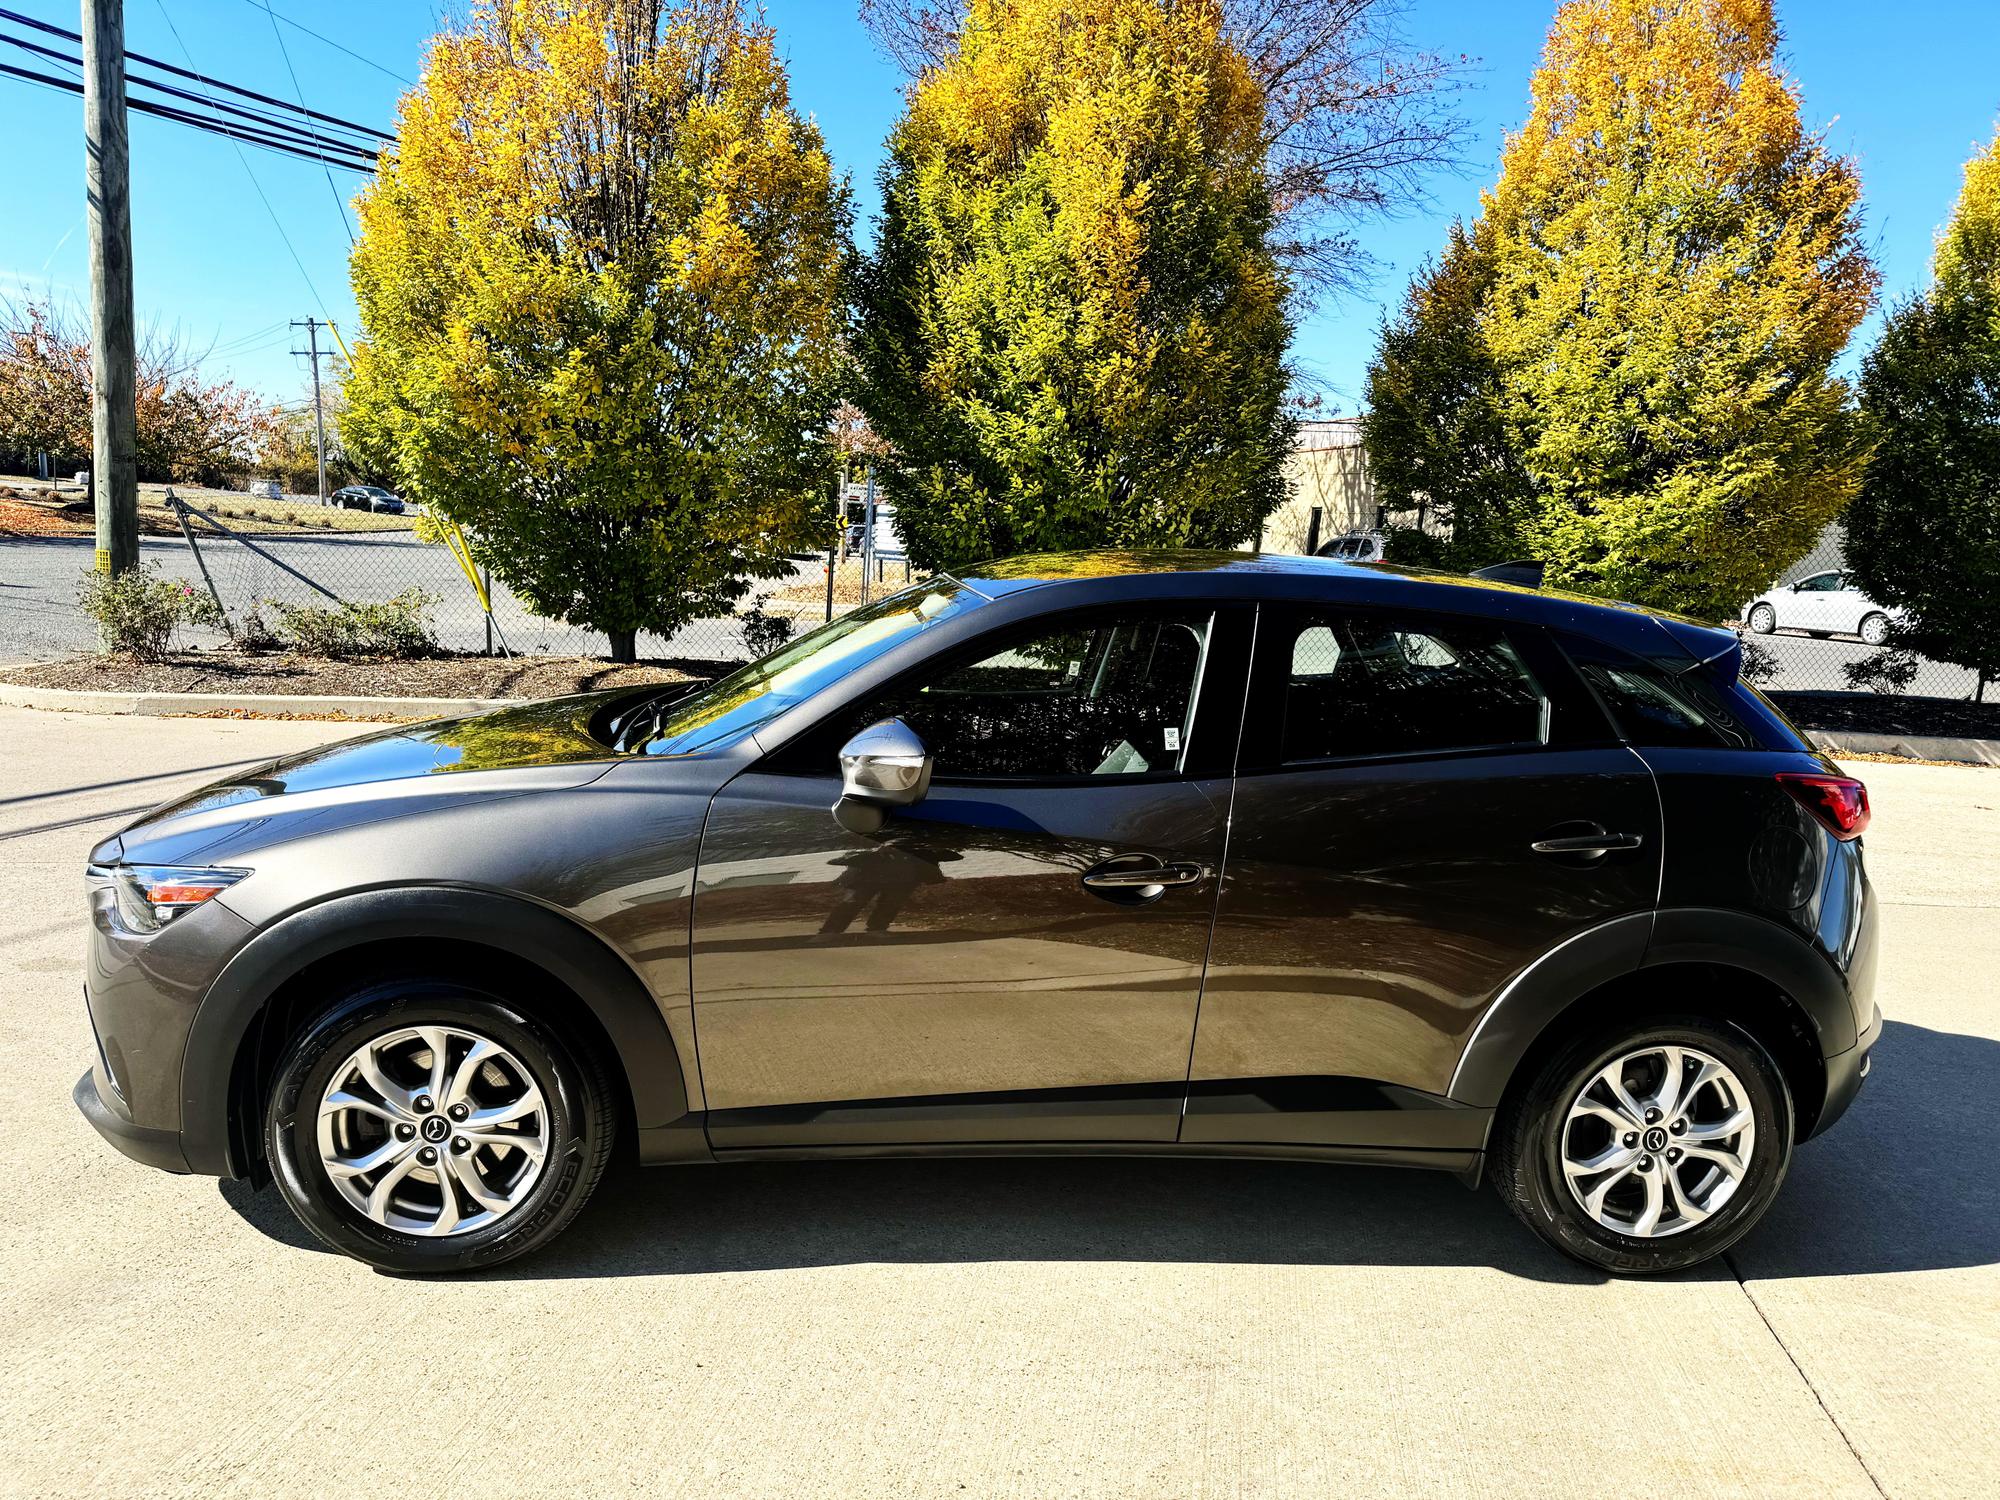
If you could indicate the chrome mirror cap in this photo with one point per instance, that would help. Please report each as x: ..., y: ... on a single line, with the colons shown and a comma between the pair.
x: 884, y: 766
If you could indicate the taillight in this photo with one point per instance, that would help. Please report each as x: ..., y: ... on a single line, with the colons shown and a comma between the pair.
x: 1839, y: 802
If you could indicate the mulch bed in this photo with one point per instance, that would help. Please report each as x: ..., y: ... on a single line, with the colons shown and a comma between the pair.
x: 433, y: 677
x: 1887, y: 713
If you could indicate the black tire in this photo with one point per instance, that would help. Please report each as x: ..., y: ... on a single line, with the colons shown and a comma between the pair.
x: 571, y: 1080
x: 1763, y: 619
x: 1527, y: 1160
x: 1874, y: 628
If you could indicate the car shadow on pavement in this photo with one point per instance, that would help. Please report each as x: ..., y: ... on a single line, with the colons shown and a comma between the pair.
x: 1874, y: 1195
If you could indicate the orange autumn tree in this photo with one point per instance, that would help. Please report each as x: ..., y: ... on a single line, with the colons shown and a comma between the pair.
x: 1677, y: 264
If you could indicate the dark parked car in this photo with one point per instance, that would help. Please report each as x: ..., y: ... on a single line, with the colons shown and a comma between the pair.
x: 1202, y: 854
x: 371, y: 497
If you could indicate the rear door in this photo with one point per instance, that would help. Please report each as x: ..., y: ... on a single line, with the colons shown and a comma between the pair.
x: 1425, y: 806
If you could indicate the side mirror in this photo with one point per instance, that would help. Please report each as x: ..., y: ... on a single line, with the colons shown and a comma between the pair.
x: 882, y: 767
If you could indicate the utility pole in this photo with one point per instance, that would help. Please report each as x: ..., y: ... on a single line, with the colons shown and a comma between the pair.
x: 311, y: 326
x: 114, y: 423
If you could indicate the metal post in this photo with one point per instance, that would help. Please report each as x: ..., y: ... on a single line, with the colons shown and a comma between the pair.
x: 1312, y: 533
x: 486, y: 584
x: 114, y: 423
x: 187, y: 533
x: 311, y: 326
x: 868, y: 539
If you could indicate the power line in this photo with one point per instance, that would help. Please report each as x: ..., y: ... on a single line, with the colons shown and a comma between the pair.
x: 188, y: 72
x: 279, y: 37
x: 248, y: 135
x: 276, y: 223
x: 254, y: 126
x: 329, y: 41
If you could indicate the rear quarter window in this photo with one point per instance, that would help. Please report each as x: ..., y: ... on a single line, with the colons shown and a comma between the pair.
x: 1670, y: 710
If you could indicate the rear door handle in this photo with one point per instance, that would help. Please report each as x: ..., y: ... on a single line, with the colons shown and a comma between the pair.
x: 1588, y: 843
x: 1139, y: 876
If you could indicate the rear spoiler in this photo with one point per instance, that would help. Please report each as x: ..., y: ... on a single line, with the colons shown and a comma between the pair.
x: 1721, y: 651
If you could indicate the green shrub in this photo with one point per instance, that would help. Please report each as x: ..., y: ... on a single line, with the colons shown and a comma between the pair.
x: 764, y: 633
x: 137, y: 612
x: 399, y: 627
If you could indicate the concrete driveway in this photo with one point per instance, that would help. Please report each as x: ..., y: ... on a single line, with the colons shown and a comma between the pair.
x: 988, y: 1328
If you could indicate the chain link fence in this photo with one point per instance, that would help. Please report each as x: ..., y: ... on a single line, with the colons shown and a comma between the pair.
x: 254, y: 577
x: 1815, y: 631
x: 1822, y: 636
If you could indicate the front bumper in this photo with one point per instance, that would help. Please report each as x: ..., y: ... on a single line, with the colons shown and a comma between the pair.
x: 154, y: 1148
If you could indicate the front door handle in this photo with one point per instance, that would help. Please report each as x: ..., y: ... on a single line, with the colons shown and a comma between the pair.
x: 1589, y: 845
x: 1139, y: 878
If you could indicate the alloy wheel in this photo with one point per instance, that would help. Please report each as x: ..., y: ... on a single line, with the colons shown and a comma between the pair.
x: 1763, y: 619
x: 1658, y: 1141
x: 433, y: 1130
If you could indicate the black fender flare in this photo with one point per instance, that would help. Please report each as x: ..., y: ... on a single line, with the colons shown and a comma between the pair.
x: 1536, y: 996
x: 1631, y: 944
x: 1779, y: 954
x: 552, y: 941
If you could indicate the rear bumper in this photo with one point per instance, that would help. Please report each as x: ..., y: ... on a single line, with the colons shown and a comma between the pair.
x: 154, y: 1148
x: 1845, y: 1072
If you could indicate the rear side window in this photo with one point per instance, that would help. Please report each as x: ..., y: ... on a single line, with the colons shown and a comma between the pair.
x: 1652, y: 706
x: 1365, y: 686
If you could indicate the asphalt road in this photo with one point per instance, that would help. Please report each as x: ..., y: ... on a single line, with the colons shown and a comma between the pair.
x: 994, y: 1328
x: 39, y: 617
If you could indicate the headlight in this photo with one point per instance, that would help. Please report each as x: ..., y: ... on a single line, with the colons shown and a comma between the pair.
x: 150, y: 896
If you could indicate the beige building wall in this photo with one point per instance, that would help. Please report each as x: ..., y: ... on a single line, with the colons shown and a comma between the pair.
x: 1328, y: 472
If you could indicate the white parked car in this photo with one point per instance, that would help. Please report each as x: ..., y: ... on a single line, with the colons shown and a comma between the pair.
x: 1820, y: 604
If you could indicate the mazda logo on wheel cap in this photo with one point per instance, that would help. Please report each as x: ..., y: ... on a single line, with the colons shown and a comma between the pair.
x: 435, y: 1128
x: 1656, y: 1138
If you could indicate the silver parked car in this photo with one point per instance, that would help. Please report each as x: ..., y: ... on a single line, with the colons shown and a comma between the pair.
x: 1820, y: 604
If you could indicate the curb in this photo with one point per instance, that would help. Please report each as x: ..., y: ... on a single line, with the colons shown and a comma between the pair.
x: 1837, y: 742
x: 288, y: 705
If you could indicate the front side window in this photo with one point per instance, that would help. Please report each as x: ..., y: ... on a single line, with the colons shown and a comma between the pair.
x: 1363, y: 686
x: 1103, y: 696
x: 1820, y: 583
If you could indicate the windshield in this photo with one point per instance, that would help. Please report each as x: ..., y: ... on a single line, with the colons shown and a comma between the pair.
x: 758, y: 693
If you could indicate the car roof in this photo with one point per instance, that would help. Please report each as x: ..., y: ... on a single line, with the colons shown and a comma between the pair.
x: 1120, y: 576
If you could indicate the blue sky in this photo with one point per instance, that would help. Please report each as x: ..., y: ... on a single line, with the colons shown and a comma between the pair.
x: 1909, y: 89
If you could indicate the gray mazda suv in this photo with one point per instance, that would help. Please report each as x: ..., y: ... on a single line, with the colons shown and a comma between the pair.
x: 1201, y: 854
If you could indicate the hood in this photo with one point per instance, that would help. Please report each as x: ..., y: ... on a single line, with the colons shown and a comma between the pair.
x: 536, y: 746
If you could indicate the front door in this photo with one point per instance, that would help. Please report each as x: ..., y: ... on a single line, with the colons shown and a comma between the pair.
x: 966, y: 974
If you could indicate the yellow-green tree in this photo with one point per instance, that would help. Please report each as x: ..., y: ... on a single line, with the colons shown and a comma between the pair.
x: 1678, y: 263
x: 600, y: 282
x: 1073, y: 327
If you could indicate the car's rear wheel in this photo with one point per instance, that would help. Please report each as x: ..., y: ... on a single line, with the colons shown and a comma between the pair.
x: 426, y: 1126
x: 1763, y: 619
x: 1647, y: 1150
x: 1875, y: 629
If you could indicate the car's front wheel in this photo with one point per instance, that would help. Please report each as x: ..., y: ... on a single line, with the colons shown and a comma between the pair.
x: 1875, y: 629
x: 426, y: 1126
x: 1649, y: 1150
x: 1763, y: 619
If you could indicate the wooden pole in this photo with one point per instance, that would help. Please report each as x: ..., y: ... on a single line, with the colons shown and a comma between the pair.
x: 114, y: 469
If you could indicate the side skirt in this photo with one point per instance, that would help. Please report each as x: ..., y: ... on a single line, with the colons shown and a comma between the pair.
x: 1465, y: 1165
